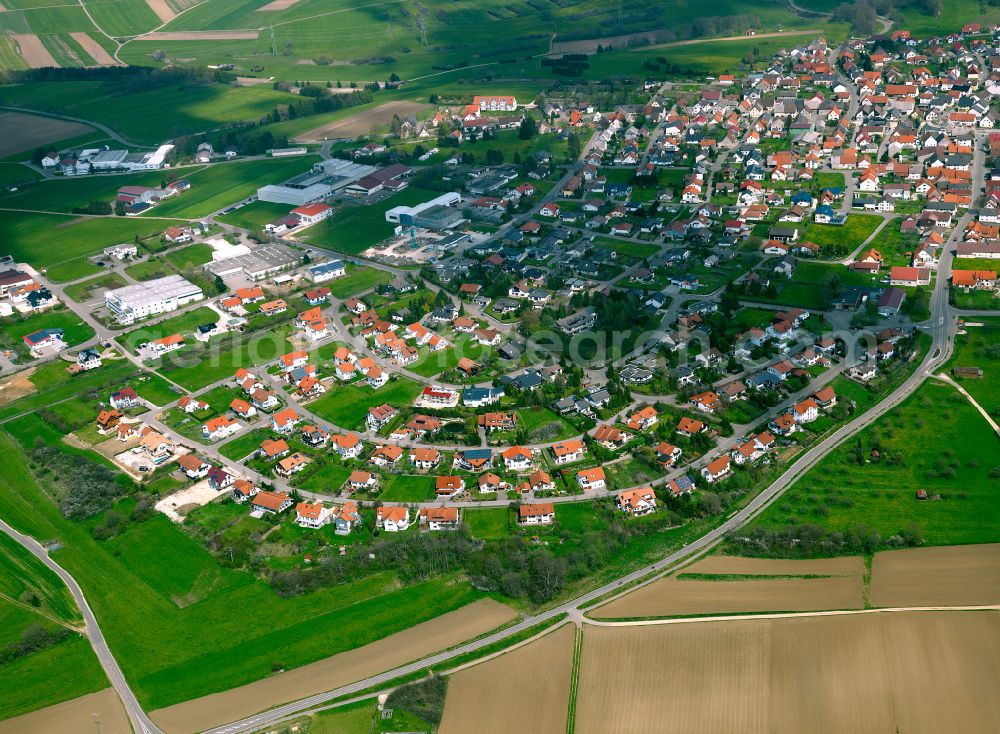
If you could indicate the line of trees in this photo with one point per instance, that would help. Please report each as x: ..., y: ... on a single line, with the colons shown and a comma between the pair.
x: 35, y: 638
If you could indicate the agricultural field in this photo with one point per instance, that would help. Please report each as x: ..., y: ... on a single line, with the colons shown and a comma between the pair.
x: 853, y: 487
x: 63, y: 718
x: 29, y: 238
x: 22, y: 133
x: 147, y: 117
x: 723, y: 584
x: 347, y: 406
x: 419, y: 640
x: 543, y: 667
x: 949, y: 575
x: 763, y: 675
x: 215, y: 187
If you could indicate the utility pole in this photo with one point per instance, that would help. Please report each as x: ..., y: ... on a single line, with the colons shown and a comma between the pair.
x: 274, y: 44
x: 97, y: 722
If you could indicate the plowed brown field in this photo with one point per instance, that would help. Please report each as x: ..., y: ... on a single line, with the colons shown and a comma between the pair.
x: 526, y: 690
x: 74, y: 716
x: 950, y: 575
x: 918, y: 671
x: 841, y: 589
x: 398, y: 649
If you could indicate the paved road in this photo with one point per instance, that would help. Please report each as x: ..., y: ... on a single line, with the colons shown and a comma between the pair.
x: 936, y: 356
x: 141, y: 723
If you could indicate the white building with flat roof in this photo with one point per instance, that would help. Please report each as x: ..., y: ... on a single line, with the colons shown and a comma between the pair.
x: 134, y: 302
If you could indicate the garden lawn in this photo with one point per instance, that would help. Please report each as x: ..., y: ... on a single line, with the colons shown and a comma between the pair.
x: 94, y: 287
x: 324, y: 477
x: 958, y: 453
x: 242, y: 445
x: 357, y: 280
x: 404, y: 488
x: 222, y: 359
x: 183, y: 324
x: 542, y: 425
x: 76, y: 330
x: 154, y: 578
x: 491, y: 523
x: 347, y: 405
x: 852, y: 233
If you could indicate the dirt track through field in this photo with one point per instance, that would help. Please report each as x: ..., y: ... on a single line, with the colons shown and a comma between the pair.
x: 958, y: 575
x: 20, y: 132
x: 92, y: 47
x: 362, y: 123
x: 528, y: 690
x: 163, y: 11
x: 73, y: 716
x: 918, y: 671
x: 842, y: 588
x: 33, y: 51
x: 424, y: 639
x: 199, y: 36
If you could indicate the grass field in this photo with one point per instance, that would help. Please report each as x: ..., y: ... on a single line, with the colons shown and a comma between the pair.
x: 75, y: 329
x: 222, y: 359
x: 977, y: 348
x: 856, y: 230
x: 58, y: 673
x: 217, y: 186
x: 347, y: 406
x: 149, y: 116
x: 254, y: 216
x: 94, y: 287
x: 154, y: 578
x: 491, y: 523
x: 541, y: 425
x: 358, y: 279
x: 190, y: 256
x: 403, y: 488
x: 183, y: 324
x: 840, y: 493
x: 61, y: 244
x: 353, y: 229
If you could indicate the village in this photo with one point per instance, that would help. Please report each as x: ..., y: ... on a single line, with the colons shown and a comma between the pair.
x: 755, y: 228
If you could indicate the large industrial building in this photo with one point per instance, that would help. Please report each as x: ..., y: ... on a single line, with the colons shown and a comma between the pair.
x: 325, y: 178
x: 257, y: 264
x: 438, y: 214
x: 134, y: 302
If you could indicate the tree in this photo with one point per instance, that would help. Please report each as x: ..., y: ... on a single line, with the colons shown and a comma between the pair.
x: 528, y: 128
x: 120, y: 208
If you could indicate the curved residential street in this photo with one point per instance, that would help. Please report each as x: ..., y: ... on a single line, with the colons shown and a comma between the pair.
x: 942, y: 327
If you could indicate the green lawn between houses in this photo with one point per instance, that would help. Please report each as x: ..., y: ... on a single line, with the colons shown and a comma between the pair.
x: 347, y: 405
x: 935, y: 441
x: 75, y: 329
